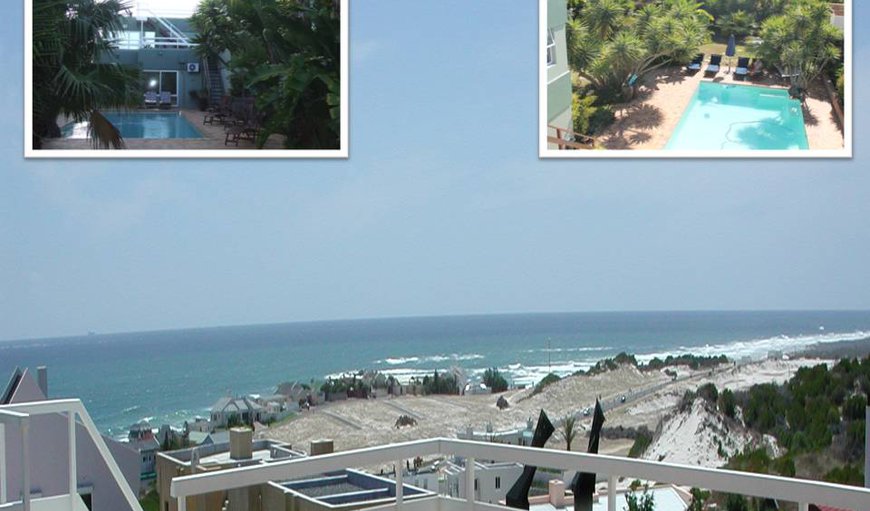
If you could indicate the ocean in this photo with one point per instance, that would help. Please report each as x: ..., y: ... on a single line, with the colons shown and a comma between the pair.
x: 171, y: 376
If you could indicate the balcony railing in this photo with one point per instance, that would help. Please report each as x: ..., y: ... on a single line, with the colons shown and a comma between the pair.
x: 804, y: 492
x: 18, y: 416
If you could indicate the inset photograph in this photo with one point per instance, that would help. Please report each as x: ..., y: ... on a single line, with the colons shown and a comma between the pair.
x: 186, y: 78
x: 677, y: 78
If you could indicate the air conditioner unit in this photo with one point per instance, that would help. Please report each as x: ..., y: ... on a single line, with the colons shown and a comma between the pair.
x: 193, y: 67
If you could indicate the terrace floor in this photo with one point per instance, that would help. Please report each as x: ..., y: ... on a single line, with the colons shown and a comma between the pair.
x: 648, y: 121
x: 214, y: 136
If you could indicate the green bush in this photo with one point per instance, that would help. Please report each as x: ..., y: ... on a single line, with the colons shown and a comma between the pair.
x: 641, y: 442
x: 727, y: 403
x: 493, y: 379
x: 545, y: 382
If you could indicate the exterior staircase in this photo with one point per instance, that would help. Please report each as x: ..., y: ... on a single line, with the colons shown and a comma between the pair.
x: 215, y: 81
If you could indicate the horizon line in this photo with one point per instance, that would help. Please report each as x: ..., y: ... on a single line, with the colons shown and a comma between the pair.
x: 413, y: 316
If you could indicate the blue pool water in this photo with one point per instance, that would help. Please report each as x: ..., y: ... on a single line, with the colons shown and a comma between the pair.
x: 160, y: 125
x: 740, y: 117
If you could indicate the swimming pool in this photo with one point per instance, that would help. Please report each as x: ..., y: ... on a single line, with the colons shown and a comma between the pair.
x: 160, y: 125
x: 739, y: 117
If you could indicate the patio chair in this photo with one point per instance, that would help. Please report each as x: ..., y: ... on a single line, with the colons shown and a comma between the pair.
x: 742, y: 68
x: 695, y: 64
x: 217, y: 112
x: 165, y: 99
x: 151, y: 99
x: 713, y: 66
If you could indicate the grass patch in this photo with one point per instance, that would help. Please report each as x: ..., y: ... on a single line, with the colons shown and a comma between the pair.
x: 151, y: 501
x: 742, y: 51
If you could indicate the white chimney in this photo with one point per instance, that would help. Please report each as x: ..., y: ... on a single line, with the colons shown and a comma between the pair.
x: 557, y: 493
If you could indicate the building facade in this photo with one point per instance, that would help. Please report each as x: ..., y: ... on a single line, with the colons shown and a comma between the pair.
x: 559, y: 93
x: 49, y: 445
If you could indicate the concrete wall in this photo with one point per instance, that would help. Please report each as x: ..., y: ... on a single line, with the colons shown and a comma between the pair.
x: 49, y: 466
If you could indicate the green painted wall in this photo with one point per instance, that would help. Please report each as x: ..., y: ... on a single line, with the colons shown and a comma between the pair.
x: 557, y: 13
x: 558, y: 97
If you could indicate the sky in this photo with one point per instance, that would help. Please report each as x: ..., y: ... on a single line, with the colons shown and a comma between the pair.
x: 442, y: 208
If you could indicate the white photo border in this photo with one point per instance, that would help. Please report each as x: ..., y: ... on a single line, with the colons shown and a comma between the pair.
x: 342, y: 152
x: 545, y: 152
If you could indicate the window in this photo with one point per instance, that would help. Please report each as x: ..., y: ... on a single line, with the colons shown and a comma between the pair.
x: 497, y: 483
x: 476, y: 485
x: 164, y: 81
x: 551, y: 48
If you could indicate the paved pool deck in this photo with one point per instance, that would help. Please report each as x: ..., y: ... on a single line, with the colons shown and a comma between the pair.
x: 648, y: 121
x: 213, y: 138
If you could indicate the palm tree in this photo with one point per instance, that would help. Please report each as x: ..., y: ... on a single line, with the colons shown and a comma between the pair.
x: 70, y: 40
x: 569, y: 431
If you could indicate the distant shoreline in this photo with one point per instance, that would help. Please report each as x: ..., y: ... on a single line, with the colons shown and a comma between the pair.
x: 837, y: 350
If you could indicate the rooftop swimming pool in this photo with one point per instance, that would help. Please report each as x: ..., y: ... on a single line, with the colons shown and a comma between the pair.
x: 153, y: 125
x: 739, y: 117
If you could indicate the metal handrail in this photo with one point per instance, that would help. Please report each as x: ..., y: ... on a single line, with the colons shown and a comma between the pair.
x: 757, y: 485
x: 22, y: 412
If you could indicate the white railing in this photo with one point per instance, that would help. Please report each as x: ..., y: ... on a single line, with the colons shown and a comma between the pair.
x: 19, y: 415
x: 802, y: 491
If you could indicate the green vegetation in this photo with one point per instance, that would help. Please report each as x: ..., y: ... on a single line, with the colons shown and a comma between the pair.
x: 609, y: 41
x: 727, y: 403
x: 643, y: 502
x: 569, y: 430
x: 545, y: 382
x: 287, y: 55
x: 70, y: 37
x: 801, y: 41
x: 151, y: 501
x: 641, y: 442
x: 694, y: 362
x: 699, y: 497
x: 588, y: 116
x: 440, y: 384
x: 493, y: 379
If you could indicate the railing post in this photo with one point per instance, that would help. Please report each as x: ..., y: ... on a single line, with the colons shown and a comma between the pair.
x: 400, y: 490
x: 182, y: 503
x: 2, y: 463
x: 804, y: 506
x: 25, y: 464
x: 469, y: 482
x: 73, y: 478
x: 611, y: 493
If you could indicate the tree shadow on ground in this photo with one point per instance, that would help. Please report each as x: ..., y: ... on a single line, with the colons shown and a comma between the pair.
x: 632, y: 127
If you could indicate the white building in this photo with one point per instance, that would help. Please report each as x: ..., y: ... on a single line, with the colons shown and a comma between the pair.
x: 666, y: 498
x: 491, y: 480
x: 105, y: 474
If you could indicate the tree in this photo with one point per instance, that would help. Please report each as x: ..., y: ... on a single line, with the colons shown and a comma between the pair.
x: 569, y: 430
x: 801, y: 42
x: 644, y: 502
x: 287, y: 55
x: 611, y: 40
x: 699, y: 497
x: 72, y: 44
x: 739, y: 23
x: 493, y: 379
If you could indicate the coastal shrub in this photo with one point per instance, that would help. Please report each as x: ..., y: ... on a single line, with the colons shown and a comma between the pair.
x: 686, y: 401
x: 847, y: 474
x: 727, y: 403
x: 709, y: 392
x: 601, y: 119
x: 545, y: 382
x: 699, y: 497
x: 854, y: 407
x: 493, y: 379
x: 736, y: 502
x: 694, y: 362
x: 641, y: 443
x: 440, y: 384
